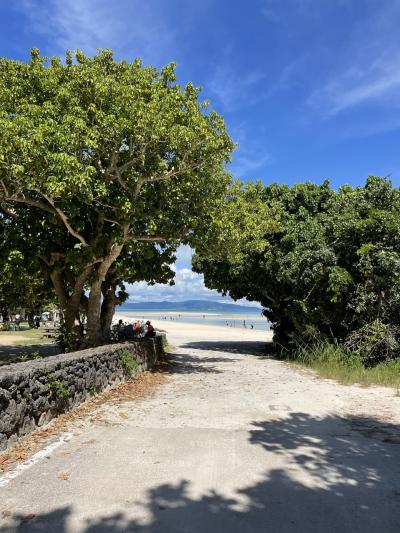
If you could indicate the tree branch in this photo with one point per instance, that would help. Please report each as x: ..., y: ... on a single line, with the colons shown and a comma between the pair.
x: 172, y: 172
x: 55, y: 256
x: 146, y: 238
x: 30, y: 201
x: 65, y: 221
x: 8, y: 212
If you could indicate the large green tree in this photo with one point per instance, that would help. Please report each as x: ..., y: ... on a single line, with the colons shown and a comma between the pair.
x: 22, y: 284
x: 107, y: 166
x: 322, y: 262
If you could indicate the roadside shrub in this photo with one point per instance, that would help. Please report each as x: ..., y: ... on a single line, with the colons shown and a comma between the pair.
x: 375, y: 343
x: 129, y: 364
x: 68, y: 341
x: 335, y: 361
x: 59, y: 388
x: 319, y: 260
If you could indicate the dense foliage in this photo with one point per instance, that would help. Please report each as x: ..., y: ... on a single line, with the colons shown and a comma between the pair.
x: 22, y: 284
x: 106, y: 167
x: 323, y: 263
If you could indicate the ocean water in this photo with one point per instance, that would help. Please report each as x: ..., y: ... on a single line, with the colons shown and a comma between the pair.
x: 234, y: 320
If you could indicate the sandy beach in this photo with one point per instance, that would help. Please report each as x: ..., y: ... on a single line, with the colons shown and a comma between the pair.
x: 181, y: 331
x: 236, y: 320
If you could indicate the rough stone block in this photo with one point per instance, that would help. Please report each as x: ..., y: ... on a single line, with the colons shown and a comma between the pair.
x: 26, y: 401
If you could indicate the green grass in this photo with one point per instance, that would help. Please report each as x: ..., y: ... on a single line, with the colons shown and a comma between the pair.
x: 332, y: 361
x: 25, y: 337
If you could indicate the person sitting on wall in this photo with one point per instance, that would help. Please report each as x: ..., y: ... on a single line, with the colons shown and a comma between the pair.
x: 137, y: 328
x: 150, y: 332
x: 120, y: 330
x: 128, y: 333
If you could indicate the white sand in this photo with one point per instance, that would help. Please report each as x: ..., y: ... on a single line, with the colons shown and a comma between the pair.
x: 181, y: 331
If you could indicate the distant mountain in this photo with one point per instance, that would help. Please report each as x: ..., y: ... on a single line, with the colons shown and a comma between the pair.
x: 199, y: 306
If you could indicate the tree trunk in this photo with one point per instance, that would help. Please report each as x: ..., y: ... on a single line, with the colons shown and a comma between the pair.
x: 107, y: 309
x: 70, y: 302
x: 94, y: 332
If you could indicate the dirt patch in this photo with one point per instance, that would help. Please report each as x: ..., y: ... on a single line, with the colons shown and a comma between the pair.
x: 92, y: 411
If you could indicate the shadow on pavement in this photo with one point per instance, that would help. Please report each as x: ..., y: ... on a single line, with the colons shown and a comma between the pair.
x: 326, y: 475
x: 12, y: 353
x: 235, y: 347
x: 183, y: 363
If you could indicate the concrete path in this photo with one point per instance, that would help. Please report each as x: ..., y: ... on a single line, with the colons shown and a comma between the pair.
x: 232, y: 442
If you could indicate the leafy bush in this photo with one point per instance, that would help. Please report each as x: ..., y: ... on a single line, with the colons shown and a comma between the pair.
x: 375, y: 343
x: 336, y: 361
x: 58, y: 387
x: 67, y: 340
x: 23, y: 357
x: 129, y: 364
x: 321, y: 262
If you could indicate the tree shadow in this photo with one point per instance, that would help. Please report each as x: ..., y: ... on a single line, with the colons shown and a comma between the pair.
x: 183, y: 363
x: 324, y: 475
x: 235, y: 347
x: 207, y: 360
x: 11, y: 353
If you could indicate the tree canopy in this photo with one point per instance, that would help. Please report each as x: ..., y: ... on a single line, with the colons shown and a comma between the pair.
x: 105, y: 167
x: 22, y: 285
x: 322, y: 262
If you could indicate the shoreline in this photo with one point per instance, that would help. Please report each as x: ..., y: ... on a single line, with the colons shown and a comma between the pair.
x: 160, y: 312
x: 178, y: 330
x: 225, y: 322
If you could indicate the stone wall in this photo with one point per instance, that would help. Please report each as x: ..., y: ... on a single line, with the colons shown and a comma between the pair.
x: 34, y: 392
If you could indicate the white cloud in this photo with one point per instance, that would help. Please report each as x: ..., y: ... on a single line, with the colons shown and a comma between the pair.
x: 250, y: 156
x: 234, y: 91
x: 130, y: 27
x: 184, y: 257
x: 249, y: 161
x: 369, y: 73
x: 188, y: 286
x: 377, y: 82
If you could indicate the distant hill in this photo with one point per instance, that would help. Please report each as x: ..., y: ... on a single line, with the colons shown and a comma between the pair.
x: 199, y: 306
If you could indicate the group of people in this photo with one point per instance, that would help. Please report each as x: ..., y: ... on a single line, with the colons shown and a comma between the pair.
x: 135, y: 330
x: 13, y: 322
x: 233, y: 324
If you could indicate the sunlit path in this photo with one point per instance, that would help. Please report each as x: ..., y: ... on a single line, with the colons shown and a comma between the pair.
x: 232, y: 441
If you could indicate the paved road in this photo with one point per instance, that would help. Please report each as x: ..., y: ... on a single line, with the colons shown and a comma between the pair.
x: 233, y: 442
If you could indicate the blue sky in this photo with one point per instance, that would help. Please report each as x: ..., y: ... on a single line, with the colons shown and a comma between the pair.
x: 310, y: 89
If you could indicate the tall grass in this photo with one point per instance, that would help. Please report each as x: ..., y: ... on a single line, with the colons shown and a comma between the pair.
x: 335, y: 362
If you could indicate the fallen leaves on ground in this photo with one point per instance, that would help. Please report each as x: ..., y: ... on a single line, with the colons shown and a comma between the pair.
x: 63, y: 475
x: 91, y: 441
x: 142, y: 386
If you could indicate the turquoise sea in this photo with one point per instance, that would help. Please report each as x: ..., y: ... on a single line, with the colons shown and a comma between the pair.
x: 240, y: 319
